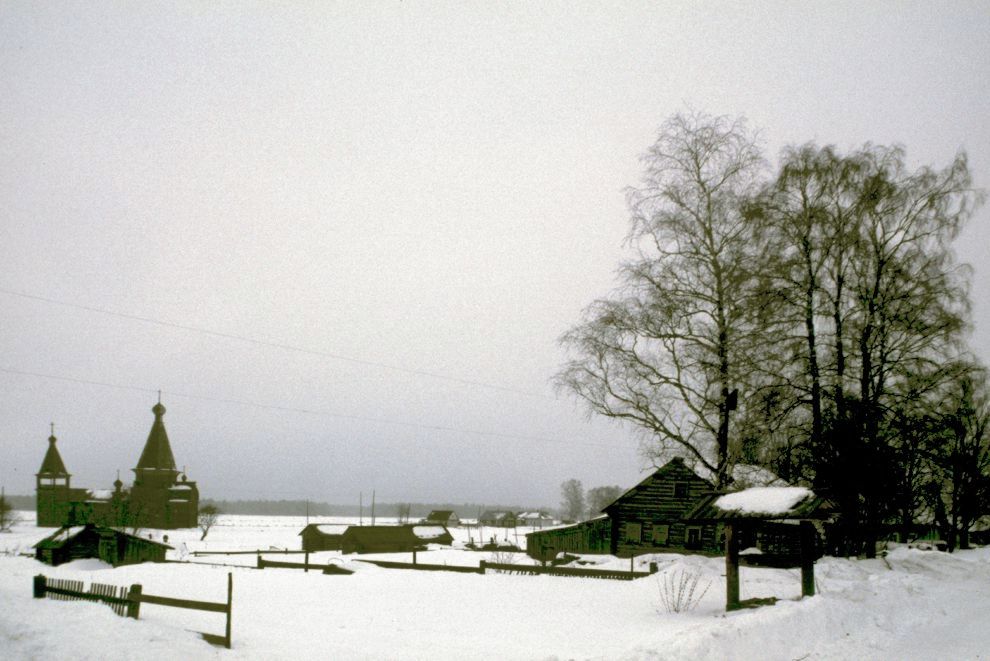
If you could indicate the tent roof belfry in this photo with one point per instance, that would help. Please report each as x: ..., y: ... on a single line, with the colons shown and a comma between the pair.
x: 157, y: 463
x: 52, y: 465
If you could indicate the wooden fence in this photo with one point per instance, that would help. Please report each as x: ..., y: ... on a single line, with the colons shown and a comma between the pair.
x: 127, y: 601
x: 254, y: 552
x: 389, y: 564
x: 326, y: 569
x: 485, y: 566
x: 614, y: 574
x: 62, y: 589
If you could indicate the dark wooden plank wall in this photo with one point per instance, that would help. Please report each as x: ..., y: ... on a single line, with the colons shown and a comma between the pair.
x: 653, y: 503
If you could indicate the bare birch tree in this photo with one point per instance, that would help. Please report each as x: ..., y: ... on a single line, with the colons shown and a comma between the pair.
x: 664, y: 352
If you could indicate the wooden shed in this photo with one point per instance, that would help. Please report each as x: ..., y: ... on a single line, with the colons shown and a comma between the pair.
x: 594, y: 536
x: 393, y: 539
x: 111, y: 545
x: 322, y: 537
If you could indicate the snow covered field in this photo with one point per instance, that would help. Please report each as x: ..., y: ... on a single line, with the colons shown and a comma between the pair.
x: 911, y: 605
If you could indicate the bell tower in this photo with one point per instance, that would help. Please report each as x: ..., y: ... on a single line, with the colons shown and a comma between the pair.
x: 52, y: 487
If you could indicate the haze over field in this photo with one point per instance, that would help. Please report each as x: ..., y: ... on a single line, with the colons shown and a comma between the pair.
x: 343, y: 240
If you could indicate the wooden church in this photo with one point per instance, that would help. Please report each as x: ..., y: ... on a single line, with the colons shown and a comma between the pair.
x: 159, y: 498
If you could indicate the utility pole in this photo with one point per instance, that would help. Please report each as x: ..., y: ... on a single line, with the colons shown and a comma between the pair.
x: 372, y: 507
x: 361, y: 509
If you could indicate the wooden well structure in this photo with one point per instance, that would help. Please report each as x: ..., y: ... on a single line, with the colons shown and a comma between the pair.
x: 740, y: 523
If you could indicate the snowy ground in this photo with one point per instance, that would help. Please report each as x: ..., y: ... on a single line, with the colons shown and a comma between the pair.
x: 911, y: 605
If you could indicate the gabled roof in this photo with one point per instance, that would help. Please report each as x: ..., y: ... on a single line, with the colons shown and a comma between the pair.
x: 440, y: 515
x: 52, y: 464
x: 668, y: 470
x: 66, y: 534
x: 157, y: 453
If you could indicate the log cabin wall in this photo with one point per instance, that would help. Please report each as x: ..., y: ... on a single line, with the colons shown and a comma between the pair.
x: 648, y: 517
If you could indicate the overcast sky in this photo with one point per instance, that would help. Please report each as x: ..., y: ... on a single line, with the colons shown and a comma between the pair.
x: 422, y: 196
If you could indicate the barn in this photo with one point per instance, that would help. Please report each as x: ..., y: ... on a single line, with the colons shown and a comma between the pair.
x: 322, y: 537
x: 111, y: 545
x: 393, y: 539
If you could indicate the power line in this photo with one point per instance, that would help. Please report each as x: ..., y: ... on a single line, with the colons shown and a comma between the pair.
x: 269, y: 343
x: 316, y: 412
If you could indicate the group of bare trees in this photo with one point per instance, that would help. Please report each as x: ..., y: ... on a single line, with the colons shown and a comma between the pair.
x: 576, y: 504
x: 810, y: 320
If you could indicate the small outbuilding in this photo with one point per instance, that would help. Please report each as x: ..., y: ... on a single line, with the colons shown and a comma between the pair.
x: 498, y: 519
x: 442, y: 518
x: 322, y: 537
x: 393, y: 539
x: 594, y: 536
x: 535, y: 519
x: 111, y: 545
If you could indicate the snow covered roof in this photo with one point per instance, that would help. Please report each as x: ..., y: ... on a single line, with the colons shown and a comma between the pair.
x: 101, y: 494
x: 795, y: 503
x: 763, y: 500
x: 429, y: 532
x: 332, y: 528
x: 61, y: 536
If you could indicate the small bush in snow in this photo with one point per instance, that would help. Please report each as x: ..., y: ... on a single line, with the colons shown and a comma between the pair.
x: 679, y: 590
x: 501, y: 557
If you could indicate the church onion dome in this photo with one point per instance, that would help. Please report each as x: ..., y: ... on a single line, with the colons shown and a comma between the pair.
x: 52, y: 465
x: 157, y: 453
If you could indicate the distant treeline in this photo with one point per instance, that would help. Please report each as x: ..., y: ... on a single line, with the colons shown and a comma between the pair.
x: 21, y: 502
x: 299, y: 508
x: 387, y: 510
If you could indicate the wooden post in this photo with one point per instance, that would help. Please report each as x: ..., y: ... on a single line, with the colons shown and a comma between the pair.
x: 731, y: 566
x: 414, y: 555
x: 39, y: 586
x: 230, y: 604
x: 133, y: 601
x: 807, y: 559
x: 260, y: 563
x: 481, y: 567
x: 632, y: 566
x: 306, y: 563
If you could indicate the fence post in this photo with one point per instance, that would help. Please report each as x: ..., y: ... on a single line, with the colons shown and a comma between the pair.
x: 260, y: 563
x: 133, y: 601
x: 306, y: 563
x: 39, y: 586
x: 414, y: 556
x: 731, y: 565
x: 808, y: 536
x: 481, y: 567
x: 230, y: 603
